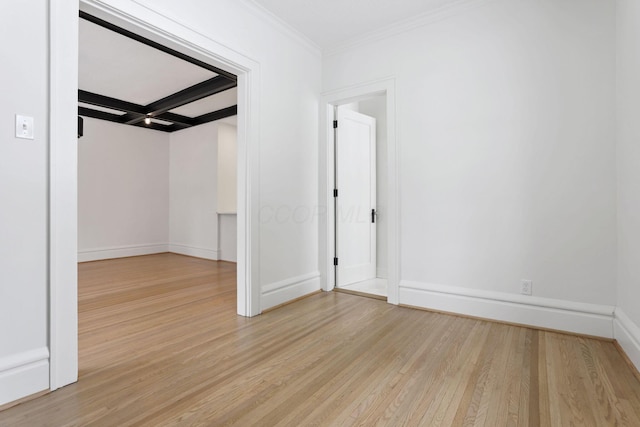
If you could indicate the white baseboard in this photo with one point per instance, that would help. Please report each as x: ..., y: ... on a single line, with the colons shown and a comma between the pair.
x: 121, y: 252
x: 24, y: 374
x: 382, y: 273
x: 286, y: 290
x: 194, y: 251
x: 627, y: 333
x: 569, y: 316
x: 227, y: 256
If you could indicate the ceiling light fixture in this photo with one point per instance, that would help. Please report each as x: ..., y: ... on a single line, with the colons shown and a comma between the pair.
x: 147, y: 120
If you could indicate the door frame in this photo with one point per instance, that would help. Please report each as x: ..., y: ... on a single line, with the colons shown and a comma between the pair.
x: 329, y: 100
x: 63, y: 177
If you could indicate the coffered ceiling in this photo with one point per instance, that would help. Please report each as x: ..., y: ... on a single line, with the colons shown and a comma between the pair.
x: 126, y: 79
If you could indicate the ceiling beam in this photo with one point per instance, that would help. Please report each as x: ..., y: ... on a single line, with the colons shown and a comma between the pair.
x: 155, y: 45
x: 88, y: 112
x: 134, y: 111
x: 217, y: 115
x: 135, y: 114
x: 183, y: 122
x: 193, y: 93
x: 116, y: 118
x: 177, y: 119
x: 165, y: 128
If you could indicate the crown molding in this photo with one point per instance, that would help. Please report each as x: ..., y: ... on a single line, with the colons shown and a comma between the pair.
x: 283, y: 26
x: 452, y: 8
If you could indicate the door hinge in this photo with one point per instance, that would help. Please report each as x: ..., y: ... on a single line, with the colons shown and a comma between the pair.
x: 335, y: 261
x: 335, y: 124
x: 335, y: 192
x: 373, y: 216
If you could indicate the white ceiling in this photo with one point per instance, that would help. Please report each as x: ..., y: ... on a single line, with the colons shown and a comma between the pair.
x: 329, y: 22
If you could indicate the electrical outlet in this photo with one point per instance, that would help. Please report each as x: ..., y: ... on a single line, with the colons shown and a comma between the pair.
x: 526, y: 287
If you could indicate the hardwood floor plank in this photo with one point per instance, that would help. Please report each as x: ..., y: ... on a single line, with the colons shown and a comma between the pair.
x: 530, y: 406
x: 420, y: 359
x: 470, y: 366
x: 160, y: 344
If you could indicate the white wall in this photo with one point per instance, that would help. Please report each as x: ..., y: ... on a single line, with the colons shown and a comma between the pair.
x: 193, y: 191
x: 24, y: 365
x: 227, y: 192
x: 143, y: 191
x: 227, y: 239
x: 628, y: 127
x: 506, y: 158
x: 123, y: 191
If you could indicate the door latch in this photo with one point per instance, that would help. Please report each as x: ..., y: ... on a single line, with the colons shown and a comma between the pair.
x: 373, y: 216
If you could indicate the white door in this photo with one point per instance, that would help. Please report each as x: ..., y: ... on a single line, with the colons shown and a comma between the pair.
x: 356, y: 201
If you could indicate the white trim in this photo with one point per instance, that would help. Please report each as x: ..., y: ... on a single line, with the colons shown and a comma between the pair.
x: 24, y: 374
x: 627, y: 333
x: 283, y: 26
x: 63, y: 179
x: 227, y: 257
x: 248, y: 222
x: 569, y: 316
x: 280, y: 292
x: 147, y: 249
x: 451, y: 8
x: 381, y: 273
x: 326, y: 166
x: 121, y: 251
x: 289, y: 282
x: 194, y: 251
x: 16, y: 361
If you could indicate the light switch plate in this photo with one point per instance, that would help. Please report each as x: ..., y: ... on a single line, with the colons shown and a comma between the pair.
x: 24, y: 127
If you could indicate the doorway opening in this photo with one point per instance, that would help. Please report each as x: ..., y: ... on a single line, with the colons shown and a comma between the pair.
x: 374, y: 215
x: 63, y: 172
x: 360, y: 197
x: 158, y: 150
x: 157, y: 190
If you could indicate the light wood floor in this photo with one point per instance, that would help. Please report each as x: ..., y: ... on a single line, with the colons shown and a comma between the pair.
x: 161, y: 345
